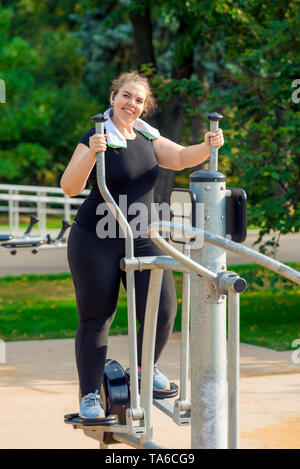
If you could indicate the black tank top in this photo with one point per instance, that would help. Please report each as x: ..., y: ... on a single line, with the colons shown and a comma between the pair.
x: 130, y: 172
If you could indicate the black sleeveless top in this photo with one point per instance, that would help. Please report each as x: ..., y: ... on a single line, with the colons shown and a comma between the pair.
x: 130, y: 172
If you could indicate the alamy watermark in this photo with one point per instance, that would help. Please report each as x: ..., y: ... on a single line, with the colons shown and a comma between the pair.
x: 296, y: 93
x: 140, y: 216
x: 296, y: 353
x: 2, y: 91
x: 2, y: 351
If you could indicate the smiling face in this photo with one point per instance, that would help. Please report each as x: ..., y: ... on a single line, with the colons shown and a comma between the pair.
x: 129, y: 102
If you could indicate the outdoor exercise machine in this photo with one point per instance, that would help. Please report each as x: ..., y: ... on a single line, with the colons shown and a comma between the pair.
x: 212, y: 410
x: 11, y: 243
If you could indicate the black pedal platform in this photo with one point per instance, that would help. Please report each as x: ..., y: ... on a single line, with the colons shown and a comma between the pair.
x: 75, y: 419
x: 160, y: 393
x: 165, y: 394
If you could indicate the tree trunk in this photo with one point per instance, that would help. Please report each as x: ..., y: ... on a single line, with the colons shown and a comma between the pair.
x: 173, y: 115
x: 142, y: 34
x: 172, y: 126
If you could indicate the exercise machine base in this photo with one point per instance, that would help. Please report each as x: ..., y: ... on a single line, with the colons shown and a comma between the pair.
x: 116, y: 400
x: 115, y: 395
x: 76, y: 419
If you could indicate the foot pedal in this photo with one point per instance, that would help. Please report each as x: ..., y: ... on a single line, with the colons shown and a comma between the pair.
x: 165, y: 394
x: 76, y: 419
x: 159, y: 393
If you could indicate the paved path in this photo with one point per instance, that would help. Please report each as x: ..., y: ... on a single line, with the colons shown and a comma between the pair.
x: 38, y: 385
x: 56, y: 261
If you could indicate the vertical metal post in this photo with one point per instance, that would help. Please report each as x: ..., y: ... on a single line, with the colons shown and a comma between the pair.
x: 67, y: 208
x: 185, y: 315
x: 233, y: 369
x: 11, y: 211
x: 16, y: 213
x: 41, y: 212
x: 148, y: 351
x: 208, y: 318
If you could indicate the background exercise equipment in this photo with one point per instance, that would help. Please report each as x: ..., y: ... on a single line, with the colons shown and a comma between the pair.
x: 8, y: 242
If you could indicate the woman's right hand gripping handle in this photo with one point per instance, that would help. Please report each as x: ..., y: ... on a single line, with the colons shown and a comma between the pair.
x: 97, y: 143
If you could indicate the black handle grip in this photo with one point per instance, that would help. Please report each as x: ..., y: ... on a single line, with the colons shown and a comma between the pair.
x: 99, y: 118
x: 65, y: 226
x: 33, y: 221
x: 214, y: 116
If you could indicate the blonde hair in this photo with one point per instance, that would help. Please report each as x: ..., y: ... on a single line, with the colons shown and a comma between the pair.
x: 121, y: 80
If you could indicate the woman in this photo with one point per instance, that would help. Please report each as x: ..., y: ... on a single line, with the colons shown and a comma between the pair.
x: 134, y: 150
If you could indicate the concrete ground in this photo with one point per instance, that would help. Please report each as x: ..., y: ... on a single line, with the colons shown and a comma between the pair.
x: 38, y: 385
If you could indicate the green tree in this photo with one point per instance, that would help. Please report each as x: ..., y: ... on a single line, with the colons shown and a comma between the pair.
x: 46, y: 103
x: 263, y: 120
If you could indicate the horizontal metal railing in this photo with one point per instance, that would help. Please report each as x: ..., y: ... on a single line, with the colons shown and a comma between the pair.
x: 257, y: 257
x: 15, y: 195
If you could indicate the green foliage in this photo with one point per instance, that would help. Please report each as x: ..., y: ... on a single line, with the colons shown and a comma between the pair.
x: 106, y: 37
x: 47, y: 106
x: 264, y: 122
x: 23, y: 157
x: 259, y: 279
x: 167, y: 87
x: 245, y: 59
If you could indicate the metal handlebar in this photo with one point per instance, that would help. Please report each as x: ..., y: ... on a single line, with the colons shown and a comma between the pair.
x: 225, y: 243
x: 223, y: 281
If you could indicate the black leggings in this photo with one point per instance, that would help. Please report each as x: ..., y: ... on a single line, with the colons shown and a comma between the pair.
x: 94, y: 265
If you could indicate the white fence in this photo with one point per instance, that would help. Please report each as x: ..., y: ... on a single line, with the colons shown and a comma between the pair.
x: 36, y: 200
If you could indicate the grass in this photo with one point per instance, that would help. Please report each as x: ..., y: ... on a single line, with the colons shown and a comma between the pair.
x: 270, y: 320
x: 44, y: 307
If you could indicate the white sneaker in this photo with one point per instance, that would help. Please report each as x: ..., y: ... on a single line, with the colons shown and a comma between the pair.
x: 91, y: 406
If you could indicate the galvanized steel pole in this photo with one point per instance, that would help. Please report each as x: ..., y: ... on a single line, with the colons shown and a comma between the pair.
x: 208, y: 315
x: 233, y: 369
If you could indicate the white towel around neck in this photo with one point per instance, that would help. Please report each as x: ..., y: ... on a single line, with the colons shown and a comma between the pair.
x: 117, y: 140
